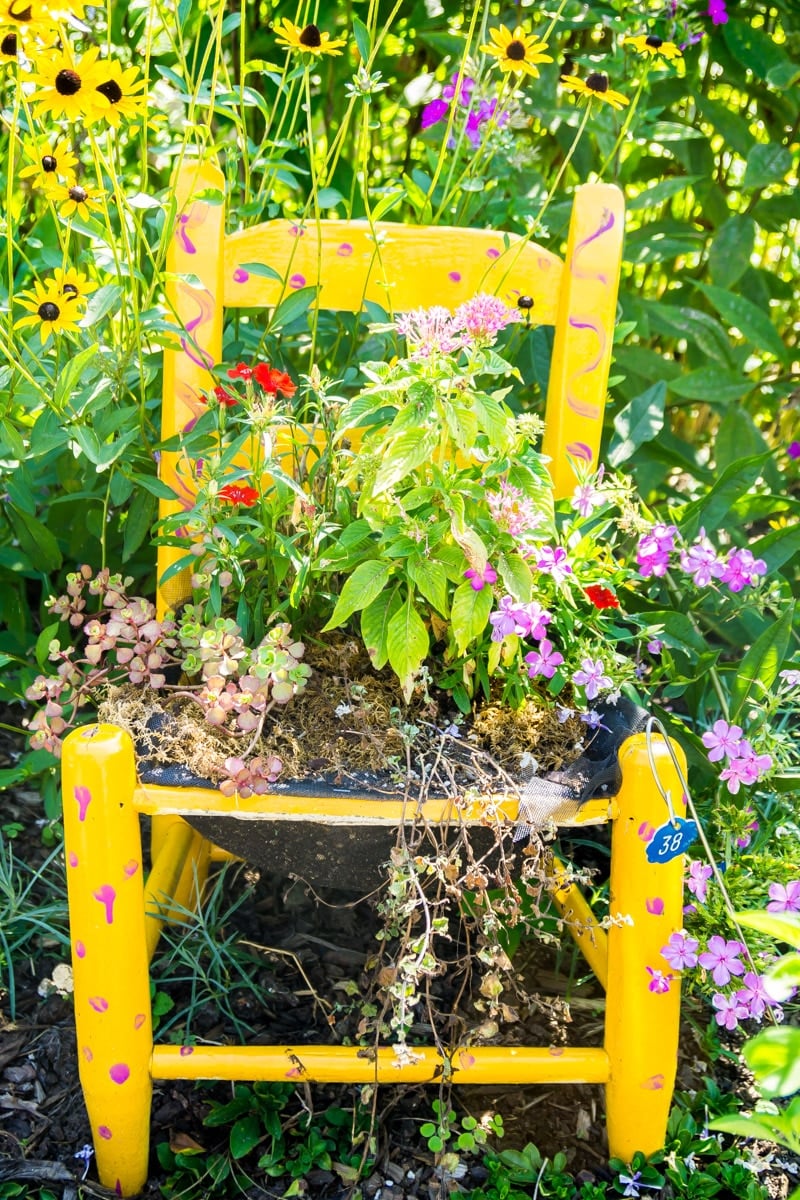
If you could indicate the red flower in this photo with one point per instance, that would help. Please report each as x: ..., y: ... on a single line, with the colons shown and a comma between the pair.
x: 602, y: 597
x: 274, y: 381
x: 225, y: 397
x: 240, y: 371
x: 235, y: 493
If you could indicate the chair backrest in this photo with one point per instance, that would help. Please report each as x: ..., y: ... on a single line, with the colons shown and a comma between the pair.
x: 401, y: 267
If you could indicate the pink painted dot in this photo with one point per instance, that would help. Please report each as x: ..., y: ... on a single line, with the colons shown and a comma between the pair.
x: 454, y: 276
x: 654, y: 1084
x: 296, y: 231
x: 80, y: 950
x: 580, y: 450
x: 466, y: 1059
x: 344, y: 250
x: 131, y: 868
x: 104, y: 1132
x: 87, y: 1054
x: 555, y: 1051
x: 543, y: 263
x: 139, y: 1020
x: 186, y: 1050
x: 120, y: 1072
x: 84, y: 798
x: 297, y: 281
x: 72, y: 859
x: 106, y: 895
x: 646, y: 831
x: 240, y: 275
x: 655, y: 905
x: 98, y: 1003
x: 492, y: 253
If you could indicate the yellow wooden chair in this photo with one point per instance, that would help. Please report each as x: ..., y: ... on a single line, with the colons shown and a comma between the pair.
x: 401, y: 267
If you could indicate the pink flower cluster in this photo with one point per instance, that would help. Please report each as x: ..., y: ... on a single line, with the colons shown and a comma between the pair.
x: 722, y: 959
x: 737, y: 570
x: 513, y: 511
x: 744, y: 766
x: 435, y: 330
x: 524, y: 620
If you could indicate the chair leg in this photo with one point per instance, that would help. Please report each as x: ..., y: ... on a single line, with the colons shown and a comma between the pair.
x: 642, y: 1002
x: 109, y: 956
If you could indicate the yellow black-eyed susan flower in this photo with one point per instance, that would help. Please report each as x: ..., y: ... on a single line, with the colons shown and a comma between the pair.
x: 75, y: 199
x: 651, y: 46
x: 8, y: 45
x: 519, y: 52
x: 119, y: 87
x: 595, y: 86
x: 23, y: 15
x: 51, y: 161
x: 309, y: 39
x: 48, y: 309
x: 66, y: 85
x: 73, y: 286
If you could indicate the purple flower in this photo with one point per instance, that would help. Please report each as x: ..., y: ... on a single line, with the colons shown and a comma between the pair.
x: 722, y: 959
x: 564, y: 714
x: 477, y: 581
x: 699, y: 875
x: 433, y: 113
x: 722, y: 740
x: 526, y: 620
x: 742, y: 570
x: 428, y: 331
x: 655, y: 646
x: 553, y: 560
x: 729, y: 1010
x: 746, y: 768
x: 701, y: 562
x: 791, y: 678
x: 753, y: 996
x: 585, y: 499
x: 654, y: 549
x: 467, y: 88
x: 483, y: 317
x: 793, y: 449
x: 681, y: 951
x: 784, y: 897
x: 659, y: 982
x: 544, y: 661
x: 592, y: 676
x: 594, y: 720
x: 719, y: 16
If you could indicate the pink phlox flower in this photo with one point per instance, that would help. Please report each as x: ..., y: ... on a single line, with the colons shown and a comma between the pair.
x: 478, y: 581
x: 654, y: 549
x: 482, y: 317
x: 553, y: 560
x: 791, y: 678
x: 701, y: 562
x: 717, y: 12
x: 753, y: 996
x: 722, y: 959
x: 730, y: 1011
x: 510, y: 617
x: 784, y: 897
x: 544, y: 661
x: 467, y: 88
x: 429, y: 331
x: 655, y: 645
x: 699, y: 875
x: 593, y: 678
x: 538, y: 619
x: 742, y: 570
x: 722, y: 740
x: 746, y: 768
x: 585, y: 499
x: 681, y: 951
x: 659, y: 982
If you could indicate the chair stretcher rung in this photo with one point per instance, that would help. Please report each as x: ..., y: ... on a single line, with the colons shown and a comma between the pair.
x: 353, y: 1064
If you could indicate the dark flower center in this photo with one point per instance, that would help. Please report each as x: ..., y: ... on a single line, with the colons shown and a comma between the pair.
x: 69, y: 289
x: 68, y: 82
x: 48, y: 162
x: 516, y: 51
x: 597, y: 82
x: 20, y: 12
x: 78, y: 194
x: 654, y: 41
x: 9, y: 45
x: 49, y: 311
x: 525, y: 302
x: 310, y: 36
x: 111, y: 90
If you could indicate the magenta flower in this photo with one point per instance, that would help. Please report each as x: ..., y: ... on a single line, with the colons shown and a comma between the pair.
x: 701, y: 562
x: 722, y: 959
x: 793, y: 449
x: 654, y: 549
x: 722, y: 740
x: 655, y: 645
x: 659, y: 982
x: 699, y: 875
x: 592, y: 677
x: 784, y: 897
x: 753, y: 996
x: 729, y: 1010
x: 742, y: 570
x: 477, y: 581
x: 544, y: 661
x: 718, y: 14
x: 746, y: 768
x: 681, y: 951
x: 526, y: 620
x: 553, y: 560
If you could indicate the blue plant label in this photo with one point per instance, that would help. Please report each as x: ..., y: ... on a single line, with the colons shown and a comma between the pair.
x: 670, y: 840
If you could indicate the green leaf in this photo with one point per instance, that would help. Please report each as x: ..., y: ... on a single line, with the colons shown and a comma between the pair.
x: 638, y: 422
x: 261, y: 270
x: 751, y: 321
x: 245, y: 1135
x: 516, y: 576
x: 711, y: 385
x: 407, y: 643
x: 758, y: 1125
x: 753, y: 48
x: 141, y: 515
x: 469, y: 614
x: 663, y: 190
x: 430, y: 579
x: 404, y: 454
x: 759, y: 667
x: 71, y: 375
x: 774, y: 1058
x: 784, y: 927
x: 418, y: 200
x: 292, y: 307
x: 154, y: 485
x: 101, y: 303
x: 777, y: 547
x: 375, y: 621
x: 766, y: 164
x: 363, y: 40
x: 732, y: 127
x: 729, y: 255
x: 36, y: 540
x: 711, y: 510
x: 360, y: 589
